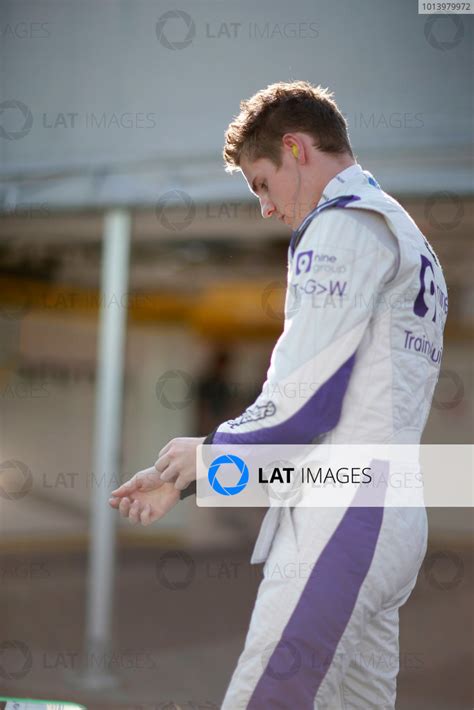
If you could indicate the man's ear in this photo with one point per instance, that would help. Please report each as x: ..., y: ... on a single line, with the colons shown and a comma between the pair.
x: 295, y: 145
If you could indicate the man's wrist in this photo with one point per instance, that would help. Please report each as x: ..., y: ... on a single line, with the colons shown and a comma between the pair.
x: 190, y: 490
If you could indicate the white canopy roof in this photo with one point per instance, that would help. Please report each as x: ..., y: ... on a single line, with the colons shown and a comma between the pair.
x: 117, y: 103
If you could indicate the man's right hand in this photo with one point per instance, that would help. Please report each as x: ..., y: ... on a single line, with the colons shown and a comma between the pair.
x: 145, y: 497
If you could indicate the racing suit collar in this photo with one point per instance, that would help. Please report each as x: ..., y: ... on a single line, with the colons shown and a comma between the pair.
x: 336, y: 184
x: 335, y: 188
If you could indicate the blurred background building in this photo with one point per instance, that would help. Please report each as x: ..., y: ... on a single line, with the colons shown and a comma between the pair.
x: 118, y: 109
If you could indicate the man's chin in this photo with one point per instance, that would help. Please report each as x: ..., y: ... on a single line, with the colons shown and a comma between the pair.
x: 288, y: 223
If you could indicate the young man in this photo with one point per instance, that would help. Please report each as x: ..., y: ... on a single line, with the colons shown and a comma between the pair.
x: 364, y: 289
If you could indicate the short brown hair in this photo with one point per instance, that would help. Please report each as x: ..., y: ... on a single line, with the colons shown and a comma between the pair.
x: 280, y: 108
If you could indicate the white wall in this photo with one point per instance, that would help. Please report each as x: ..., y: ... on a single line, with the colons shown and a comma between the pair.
x: 104, y: 89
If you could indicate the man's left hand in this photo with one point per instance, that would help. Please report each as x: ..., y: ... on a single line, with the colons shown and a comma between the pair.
x: 177, y: 461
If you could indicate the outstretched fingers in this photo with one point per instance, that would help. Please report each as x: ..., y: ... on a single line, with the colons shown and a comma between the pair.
x: 145, y: 480
x: 124, y: 507
x: 140, y: 513
x: 134, y: 512
x: 145, y: 515
x: 126, y: 488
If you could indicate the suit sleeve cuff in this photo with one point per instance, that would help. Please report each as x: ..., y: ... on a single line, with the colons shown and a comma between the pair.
x: 191, y: 489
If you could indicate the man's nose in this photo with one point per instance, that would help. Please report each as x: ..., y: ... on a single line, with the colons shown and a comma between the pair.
x: 267, y: 207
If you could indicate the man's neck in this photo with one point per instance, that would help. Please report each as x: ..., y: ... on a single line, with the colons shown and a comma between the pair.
x: 325, y: 169
x: 333, y: 167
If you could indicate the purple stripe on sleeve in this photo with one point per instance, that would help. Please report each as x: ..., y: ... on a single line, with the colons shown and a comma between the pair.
x: 317, y: 416
x: 300, y: 661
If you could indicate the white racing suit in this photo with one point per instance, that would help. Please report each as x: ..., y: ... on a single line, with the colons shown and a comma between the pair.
x: 361, y: 347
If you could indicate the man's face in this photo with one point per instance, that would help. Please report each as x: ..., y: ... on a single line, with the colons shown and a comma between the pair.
x: 279, y: 190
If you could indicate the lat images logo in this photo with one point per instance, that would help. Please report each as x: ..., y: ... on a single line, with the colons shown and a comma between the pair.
x: 224, y: 460
x: 14, y: 134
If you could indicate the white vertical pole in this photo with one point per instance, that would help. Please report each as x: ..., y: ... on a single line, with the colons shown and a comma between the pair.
x: 108, y: 421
